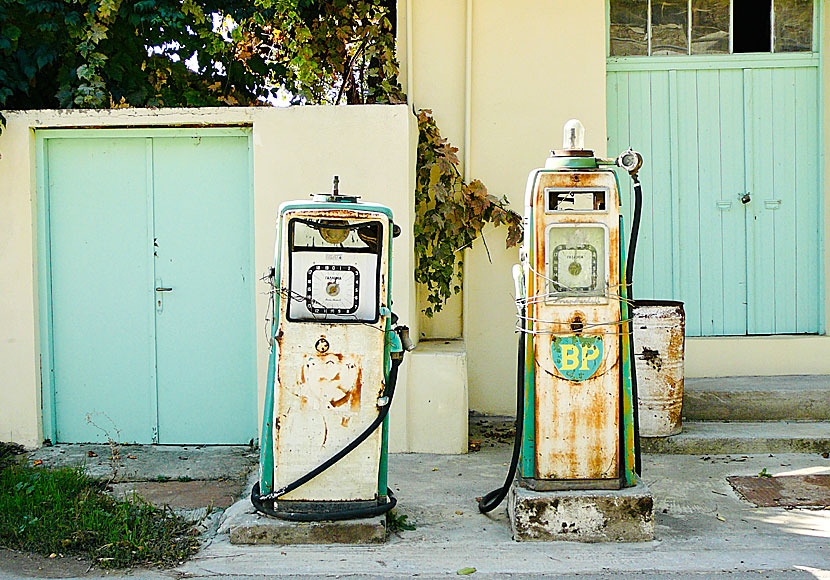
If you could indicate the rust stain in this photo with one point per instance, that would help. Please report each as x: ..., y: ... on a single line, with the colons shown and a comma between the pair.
x: 652, y: 358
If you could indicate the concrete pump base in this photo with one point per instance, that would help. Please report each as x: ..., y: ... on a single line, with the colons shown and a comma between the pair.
x: 625, y: 515
x: 244, y: 525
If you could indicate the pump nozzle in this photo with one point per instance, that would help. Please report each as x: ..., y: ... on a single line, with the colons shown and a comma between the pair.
x: 518, y: 280
x: 630, y: 160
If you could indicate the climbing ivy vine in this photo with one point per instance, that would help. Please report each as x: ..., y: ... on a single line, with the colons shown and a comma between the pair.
x: 450, y: 215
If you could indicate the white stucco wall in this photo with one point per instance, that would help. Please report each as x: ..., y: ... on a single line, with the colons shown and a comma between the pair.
x: 296, y: 152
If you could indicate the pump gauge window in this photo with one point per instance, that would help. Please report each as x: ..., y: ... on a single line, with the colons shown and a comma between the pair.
x: 334, y: 269
x: 576, y: 262
x: 333, y: 289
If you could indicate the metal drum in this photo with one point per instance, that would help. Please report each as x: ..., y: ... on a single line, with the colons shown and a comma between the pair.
x: 659, y: 335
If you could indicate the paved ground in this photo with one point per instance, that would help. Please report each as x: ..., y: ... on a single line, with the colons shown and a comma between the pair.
x: 702, y: 529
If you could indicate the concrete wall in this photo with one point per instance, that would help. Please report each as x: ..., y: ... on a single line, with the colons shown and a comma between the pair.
x: 296, y: 151
x: 501, y: 80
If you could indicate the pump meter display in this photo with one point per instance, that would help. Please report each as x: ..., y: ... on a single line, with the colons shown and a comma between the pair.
x: 576, y: 262
x: 334, y: 270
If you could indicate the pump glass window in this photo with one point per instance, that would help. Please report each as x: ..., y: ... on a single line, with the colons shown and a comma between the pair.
x: 334, y: 270
x: 575, y: 200
x: 576, y: 262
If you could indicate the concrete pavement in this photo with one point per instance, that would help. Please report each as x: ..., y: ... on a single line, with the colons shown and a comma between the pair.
x: 702, y: 530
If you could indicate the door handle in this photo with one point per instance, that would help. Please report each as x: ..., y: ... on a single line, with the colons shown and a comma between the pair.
x: 723, y: 205
x: 772, y: 203
x: 745, y: 198
x: 162, y: 289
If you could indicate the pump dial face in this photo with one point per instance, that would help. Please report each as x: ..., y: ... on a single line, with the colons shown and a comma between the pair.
x: 333, y: 289
x: 576, y: 259
x: 574, y: 268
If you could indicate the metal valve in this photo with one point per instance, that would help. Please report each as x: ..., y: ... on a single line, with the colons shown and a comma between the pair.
x: 630, y: 160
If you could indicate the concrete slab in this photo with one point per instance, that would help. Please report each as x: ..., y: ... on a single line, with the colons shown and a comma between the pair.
x: 242, y: 524
x: 152, y: 462
x: 761, y: 398
x: 712, y: 438
x: 253, y: 528
x: 182, y: 495
x: 702, y: 529
x: 625, y: 515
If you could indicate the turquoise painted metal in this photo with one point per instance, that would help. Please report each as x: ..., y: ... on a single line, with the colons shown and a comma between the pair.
x: 146, y: 278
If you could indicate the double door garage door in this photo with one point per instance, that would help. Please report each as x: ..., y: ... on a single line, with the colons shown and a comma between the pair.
x: 148, y: 286
x: 732, y: 216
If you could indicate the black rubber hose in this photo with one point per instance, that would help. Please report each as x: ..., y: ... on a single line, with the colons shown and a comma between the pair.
x: 350, y: 513
x: 490, y: 501
x: 334, y: 515
x: 629, y: 282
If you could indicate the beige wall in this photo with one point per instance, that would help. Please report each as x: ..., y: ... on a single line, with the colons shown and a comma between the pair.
x: 296, y: 152
x: 502, y: 78
x: 532, y: 66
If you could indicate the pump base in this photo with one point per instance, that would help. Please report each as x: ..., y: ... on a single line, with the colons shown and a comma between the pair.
x: 625, y: 515
x: 245, y: 526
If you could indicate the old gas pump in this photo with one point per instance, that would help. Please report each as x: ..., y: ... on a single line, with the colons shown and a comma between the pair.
x: 576, y: 397
x: 334, y: 359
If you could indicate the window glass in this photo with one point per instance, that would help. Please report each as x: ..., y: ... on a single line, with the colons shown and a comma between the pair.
x: 793, y: 25
x: 752, y: 26
x: 629, y: 27
x: 669, y: 27
x: 710, y: 26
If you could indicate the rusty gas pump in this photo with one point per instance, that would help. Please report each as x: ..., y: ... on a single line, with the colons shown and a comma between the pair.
x: 576, y: 393
x: 335, y: 352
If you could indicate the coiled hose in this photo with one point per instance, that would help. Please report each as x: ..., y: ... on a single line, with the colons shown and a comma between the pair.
x: 335, y: 514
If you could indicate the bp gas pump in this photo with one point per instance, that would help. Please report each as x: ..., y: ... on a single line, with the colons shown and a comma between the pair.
x: 576, y: 394
x: 335, y: 352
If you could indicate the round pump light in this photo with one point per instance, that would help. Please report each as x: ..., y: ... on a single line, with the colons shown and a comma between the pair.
x: 333, y: 235
x: 573, y: 135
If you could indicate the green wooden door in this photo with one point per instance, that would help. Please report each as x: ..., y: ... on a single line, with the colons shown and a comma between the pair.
x: 712, y: 130
x: 130, y: 214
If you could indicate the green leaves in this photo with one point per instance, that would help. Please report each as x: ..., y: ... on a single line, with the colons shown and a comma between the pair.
x: 450, y: 215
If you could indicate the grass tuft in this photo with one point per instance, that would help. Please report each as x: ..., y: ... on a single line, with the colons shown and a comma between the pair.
x: 63, y: 511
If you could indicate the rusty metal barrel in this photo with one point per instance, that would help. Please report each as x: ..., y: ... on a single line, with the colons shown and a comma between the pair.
x: 659, y: 337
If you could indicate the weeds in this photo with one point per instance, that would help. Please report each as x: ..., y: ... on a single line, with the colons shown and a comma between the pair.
x: 396, y: 523
x: 114, y: 443
x: 9, y: 453
x: 64, y: 511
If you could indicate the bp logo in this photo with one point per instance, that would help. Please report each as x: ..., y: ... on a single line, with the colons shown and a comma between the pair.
x: 577, y: 357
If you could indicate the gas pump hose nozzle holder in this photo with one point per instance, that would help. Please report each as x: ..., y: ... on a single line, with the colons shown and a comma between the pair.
x: 345, y: 514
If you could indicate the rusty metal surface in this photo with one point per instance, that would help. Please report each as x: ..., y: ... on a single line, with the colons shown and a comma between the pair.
x: 783, y: 491
x: 577, y: 423
x: 659, y: 337
x: 323, y: 400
